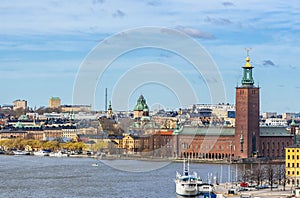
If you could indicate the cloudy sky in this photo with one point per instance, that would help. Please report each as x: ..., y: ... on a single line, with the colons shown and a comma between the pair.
x: 43, y: 45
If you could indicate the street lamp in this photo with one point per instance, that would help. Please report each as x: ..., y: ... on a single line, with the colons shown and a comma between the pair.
x: 242, y: 142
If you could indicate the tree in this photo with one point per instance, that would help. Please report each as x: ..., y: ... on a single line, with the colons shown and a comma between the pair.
x: 52, y: 145
x: 245, y: 174
x: 270, y: 174
x: 281, y: 175
x: 257, y: 174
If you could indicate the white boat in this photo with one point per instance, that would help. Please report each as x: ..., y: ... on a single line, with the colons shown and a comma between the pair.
x: 41, y: 153
x: 58, y: 154
x: 18, y: 152
x: 95, y: 164
x: 186, y: 184
x: 205, y: 188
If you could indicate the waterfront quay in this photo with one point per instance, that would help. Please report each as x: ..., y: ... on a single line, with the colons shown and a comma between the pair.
x: 255, y: 193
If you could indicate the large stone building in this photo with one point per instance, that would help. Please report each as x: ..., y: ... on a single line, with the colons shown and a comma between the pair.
x: 246, y: 140
x: 54, y: 102
x: 19, y: 104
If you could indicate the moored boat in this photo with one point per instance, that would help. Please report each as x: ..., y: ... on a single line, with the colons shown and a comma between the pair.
x: 41, y: 153
x: 205, y: 188
x: 19, y: 152
x: 186, y: 184
x: 58, y: 154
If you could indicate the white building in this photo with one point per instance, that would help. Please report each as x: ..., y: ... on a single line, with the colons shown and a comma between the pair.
x: 266, y: 115
x: 276, y: 122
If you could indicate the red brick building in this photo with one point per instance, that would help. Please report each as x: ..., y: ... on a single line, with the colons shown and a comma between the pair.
x: 246, y: 140
x: 247, y: 134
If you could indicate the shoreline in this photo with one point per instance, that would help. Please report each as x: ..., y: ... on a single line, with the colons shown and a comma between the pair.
x: 177, y: 160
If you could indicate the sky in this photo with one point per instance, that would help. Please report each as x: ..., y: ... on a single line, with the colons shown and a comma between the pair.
x: 46, y: 47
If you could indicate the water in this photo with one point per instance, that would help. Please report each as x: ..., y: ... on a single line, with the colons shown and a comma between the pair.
x: 30, y: 176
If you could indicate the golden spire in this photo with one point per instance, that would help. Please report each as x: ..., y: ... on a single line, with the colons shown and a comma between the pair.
x: 248, y: 64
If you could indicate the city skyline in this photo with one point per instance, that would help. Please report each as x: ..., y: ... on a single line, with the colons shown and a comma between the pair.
x: 43, y: 45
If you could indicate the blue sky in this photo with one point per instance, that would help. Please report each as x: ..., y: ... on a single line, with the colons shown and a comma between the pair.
x: 44, y: 43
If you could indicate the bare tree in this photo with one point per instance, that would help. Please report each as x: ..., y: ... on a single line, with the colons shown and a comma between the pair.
x: 245, y: 173
x: 281, y: 175
x: 257, y: 174
x: 270, y: 174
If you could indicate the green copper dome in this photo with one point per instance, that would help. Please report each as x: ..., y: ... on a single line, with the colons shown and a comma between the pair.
x: 141, y: 104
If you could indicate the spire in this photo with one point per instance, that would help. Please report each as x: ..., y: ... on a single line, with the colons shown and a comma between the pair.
x: 109, y: 106
x: 247, y: 71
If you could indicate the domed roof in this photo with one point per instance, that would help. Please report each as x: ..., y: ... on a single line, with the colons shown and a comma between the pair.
x: 139, y: 107
x: 141, y: 104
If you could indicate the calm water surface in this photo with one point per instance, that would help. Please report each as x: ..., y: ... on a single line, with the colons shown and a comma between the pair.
x: 30, y: 176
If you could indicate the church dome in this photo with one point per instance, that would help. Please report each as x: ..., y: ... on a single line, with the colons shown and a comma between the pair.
x: 139, y: 107
x: 141, y: 104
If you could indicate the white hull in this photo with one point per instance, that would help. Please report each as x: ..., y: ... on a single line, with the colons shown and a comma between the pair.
x: 21, y: 153
x: 41, y: 153
x: 59, y: 154
x: 205, y: 188
x: 186, y: 184
x: 186, y: 189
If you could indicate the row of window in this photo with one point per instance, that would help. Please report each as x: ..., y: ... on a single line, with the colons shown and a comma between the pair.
x: 289, y: 165
x: 252, y: 92
x: 292, y: 172
x: 292, y: 150
x: 292, y: 157
x: 206, y: 146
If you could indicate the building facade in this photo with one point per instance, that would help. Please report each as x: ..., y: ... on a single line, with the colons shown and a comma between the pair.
x: 54, y: 102
x: 292, y: 164
x: 246, y: 140
x: 19, y: 104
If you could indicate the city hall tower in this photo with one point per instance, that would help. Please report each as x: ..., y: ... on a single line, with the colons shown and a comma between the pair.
x: 247, y: 115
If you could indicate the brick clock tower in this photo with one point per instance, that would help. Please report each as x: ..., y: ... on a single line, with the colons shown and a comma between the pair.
x: 247, y: 134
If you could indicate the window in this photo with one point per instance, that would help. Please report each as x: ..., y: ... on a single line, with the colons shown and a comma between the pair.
x: 288, y: 165
x: 293, y: 157
x: 288, y: 156
x: 293, y: 165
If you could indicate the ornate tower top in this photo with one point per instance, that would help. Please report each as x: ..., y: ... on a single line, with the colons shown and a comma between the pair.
x: 109, y: 106
x: 247, y: 71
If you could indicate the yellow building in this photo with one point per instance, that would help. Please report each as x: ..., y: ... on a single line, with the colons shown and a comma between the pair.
x: 292, y: 164
x: 130, y: 143
x: 54, y: 102
x: 19, y: 104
